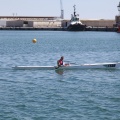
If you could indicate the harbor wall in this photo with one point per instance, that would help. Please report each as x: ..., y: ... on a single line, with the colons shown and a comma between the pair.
x: 2, y: 23
x: 99, y: 23
x: 35, y: 24
x: 92, y: 25
x: 107, y: 29
x: 19, y: 23
x: 57, y: 23
x: 44, y: 24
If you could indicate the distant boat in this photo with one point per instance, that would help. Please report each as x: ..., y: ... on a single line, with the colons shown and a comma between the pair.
x: 75, y: 24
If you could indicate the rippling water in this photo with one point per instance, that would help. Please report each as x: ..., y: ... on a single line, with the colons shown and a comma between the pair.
x: 47, y: 95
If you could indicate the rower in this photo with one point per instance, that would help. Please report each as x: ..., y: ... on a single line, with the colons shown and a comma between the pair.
x: 60, y: 61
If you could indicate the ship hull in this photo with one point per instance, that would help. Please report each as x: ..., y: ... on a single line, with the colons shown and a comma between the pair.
x: 76, y: 27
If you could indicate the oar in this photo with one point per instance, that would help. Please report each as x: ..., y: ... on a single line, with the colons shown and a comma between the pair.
x: 70, y: 62
x: 74, y: 63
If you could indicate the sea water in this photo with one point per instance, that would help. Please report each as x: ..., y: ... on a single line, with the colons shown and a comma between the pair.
x: 65, y: 95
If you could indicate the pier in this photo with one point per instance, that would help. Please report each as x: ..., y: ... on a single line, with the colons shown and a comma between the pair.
x: 52, y: 23
x: 104, y: 29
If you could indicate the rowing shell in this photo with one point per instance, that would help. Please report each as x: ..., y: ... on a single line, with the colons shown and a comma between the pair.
x: 113, y: 65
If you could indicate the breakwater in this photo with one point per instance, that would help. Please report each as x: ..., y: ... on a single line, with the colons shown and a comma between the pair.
x: 32, y: 28
x: 110, y: 29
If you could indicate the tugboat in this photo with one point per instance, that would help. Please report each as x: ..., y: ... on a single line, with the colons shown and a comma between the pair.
x: 75, y: 24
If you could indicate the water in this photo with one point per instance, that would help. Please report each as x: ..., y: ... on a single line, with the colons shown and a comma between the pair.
x: 47, y: 95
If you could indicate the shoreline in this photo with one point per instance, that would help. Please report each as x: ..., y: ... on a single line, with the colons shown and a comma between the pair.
x: 105, y: 29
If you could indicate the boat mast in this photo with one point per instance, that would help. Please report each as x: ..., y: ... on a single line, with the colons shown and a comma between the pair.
x: 74, y: 10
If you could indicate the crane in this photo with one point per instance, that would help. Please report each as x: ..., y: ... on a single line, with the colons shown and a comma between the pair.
x: 62, y: 11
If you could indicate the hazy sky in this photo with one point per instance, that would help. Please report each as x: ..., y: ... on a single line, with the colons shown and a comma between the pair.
x: 87, y: 9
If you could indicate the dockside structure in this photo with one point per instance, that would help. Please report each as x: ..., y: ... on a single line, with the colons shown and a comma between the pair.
x: 41, y: 22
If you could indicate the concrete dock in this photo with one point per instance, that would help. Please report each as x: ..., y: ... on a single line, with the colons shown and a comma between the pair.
x: 52, y: 23
x: 105, y: 29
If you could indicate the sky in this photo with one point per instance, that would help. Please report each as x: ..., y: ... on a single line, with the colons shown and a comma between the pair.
x: 87, y: 9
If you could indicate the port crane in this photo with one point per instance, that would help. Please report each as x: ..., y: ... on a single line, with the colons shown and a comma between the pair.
x: 62, y: 11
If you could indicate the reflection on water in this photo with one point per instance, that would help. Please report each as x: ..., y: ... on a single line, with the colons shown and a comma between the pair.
x: 60, y: 72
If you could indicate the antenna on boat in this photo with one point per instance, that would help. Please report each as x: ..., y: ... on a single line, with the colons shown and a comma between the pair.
x: 74, y: 10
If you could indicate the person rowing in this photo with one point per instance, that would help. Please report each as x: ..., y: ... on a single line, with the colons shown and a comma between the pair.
x: 60, y: 61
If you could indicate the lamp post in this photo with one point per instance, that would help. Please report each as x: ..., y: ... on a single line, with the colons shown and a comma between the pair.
x: 119, y: 8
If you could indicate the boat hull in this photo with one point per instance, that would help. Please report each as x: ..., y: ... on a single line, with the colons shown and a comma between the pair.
x: 71, y: 67
x: 76, y: 27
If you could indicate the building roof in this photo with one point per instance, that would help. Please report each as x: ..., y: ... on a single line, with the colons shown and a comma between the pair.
x: 28, y: 17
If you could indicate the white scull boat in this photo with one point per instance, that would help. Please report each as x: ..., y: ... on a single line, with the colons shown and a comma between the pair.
x: 113, y: 65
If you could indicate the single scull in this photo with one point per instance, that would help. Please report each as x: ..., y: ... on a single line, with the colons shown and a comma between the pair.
x: 113, y: 65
